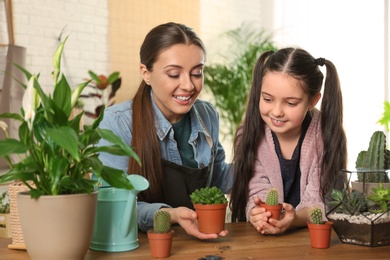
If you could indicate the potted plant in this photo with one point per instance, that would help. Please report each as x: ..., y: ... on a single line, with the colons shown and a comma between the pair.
x: 210, y: 205
x: 361, y: 219
x: 320, y: 231
x: 160, y: 237
x: 272, y: 204
x: 372, y: 165
x: 5, y: 220
x: 56, y: 158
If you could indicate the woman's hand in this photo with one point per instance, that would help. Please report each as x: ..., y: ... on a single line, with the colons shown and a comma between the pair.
x: 187, y: 219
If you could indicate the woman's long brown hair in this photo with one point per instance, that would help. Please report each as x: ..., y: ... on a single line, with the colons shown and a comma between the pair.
x: 144, y: 138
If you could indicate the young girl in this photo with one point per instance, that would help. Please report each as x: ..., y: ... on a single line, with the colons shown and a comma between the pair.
x: 174, y: 133
x: 285, y: 142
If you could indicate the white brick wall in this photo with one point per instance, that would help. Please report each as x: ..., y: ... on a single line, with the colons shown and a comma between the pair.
x: 39, y: 26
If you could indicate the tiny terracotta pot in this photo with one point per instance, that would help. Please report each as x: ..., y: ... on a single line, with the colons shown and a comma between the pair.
x: 160, y: 243
x: 320, y: 234
x: 211, y: 218
x: 275, y: 210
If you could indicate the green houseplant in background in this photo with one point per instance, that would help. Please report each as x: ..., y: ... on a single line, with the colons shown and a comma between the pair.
x: 230, y: 79
x: 56, y: 159
x: 160, y: 237
x: 210, y: 205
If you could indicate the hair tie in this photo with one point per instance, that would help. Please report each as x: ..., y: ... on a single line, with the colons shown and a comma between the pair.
x: 320, y: 61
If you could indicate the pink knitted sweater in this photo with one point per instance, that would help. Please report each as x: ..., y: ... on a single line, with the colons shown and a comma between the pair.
x: 267, y: 170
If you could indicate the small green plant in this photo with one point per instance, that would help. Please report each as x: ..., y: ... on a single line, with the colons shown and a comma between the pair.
x: 381, y: 199
x: 208, y: 195
x: 350, y: 203
x: 375, y: 158
x: 4, y: 203
x: 162, y: 222
x: 272, y: 198
x: 315, y: 216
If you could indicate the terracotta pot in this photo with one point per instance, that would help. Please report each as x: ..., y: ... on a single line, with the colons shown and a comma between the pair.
x: 160, y: 243
x: 320, y: 234
x: 275, y: 210
x: 57, y: 227
x: 211, y: 218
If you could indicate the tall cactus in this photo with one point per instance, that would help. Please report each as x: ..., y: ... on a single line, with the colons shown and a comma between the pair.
x: 162, y: 222
x: 316, y: 216
x: 375, y: 158
x: 272, y: 198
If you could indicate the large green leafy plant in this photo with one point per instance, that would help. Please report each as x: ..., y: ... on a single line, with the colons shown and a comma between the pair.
x: 230, y: 79
x: 55, y: 155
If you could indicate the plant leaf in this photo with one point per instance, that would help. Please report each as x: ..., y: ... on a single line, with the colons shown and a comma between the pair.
x: 66, y: 138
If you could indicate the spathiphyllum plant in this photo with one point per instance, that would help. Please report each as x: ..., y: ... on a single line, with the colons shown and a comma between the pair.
x: 55, y: 155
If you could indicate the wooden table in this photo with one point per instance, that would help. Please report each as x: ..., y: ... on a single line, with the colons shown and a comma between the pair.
x: 243, y: 242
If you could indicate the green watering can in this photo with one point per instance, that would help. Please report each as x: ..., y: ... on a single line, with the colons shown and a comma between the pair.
x: 116, y: 228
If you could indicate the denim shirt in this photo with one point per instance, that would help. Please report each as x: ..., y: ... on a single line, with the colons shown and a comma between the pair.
x: 118, y: 118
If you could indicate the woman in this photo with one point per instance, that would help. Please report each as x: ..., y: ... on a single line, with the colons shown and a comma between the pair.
x: 174, y: 134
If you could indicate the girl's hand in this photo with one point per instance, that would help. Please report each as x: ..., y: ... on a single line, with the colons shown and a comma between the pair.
x: 187, y: 219
x: 273, y: 226
x: 258, y: 215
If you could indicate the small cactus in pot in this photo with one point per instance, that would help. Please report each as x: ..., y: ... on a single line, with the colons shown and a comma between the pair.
x: 272, y: 204
x: 272, y: 198
x: 160, y: 237
x: 315, y: 216
x: 162, y: 222
x: 320, y: 231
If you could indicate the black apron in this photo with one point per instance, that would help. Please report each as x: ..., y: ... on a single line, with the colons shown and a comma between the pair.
x: 180, y: 181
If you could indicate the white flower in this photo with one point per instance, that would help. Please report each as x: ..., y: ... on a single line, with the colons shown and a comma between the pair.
x: 29, y: 102
x: 4, y: 126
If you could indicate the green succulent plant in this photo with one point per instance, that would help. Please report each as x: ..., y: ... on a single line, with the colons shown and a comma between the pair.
x: 315, y: 216
x: 272, y: 198
x: 208, y: 195
x: 381, y: 199
x: 350, y: 203
x: 162, y: 222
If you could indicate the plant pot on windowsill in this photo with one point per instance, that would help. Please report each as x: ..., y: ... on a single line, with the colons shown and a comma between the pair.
x: 272, y: 204
x: 160, y: 237
x: 210, y: 206
x: 320, y: 231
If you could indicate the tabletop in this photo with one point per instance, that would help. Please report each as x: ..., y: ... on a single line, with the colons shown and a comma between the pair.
x: 243, y: 242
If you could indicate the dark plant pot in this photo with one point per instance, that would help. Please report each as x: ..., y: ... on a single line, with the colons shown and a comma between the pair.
x: 275, y: 210
x: 320, y: 234
x: 160, y: 243
x: 211, y: 218
x: 365, y: 232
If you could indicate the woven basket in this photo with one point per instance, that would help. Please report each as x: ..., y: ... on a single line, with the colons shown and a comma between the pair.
x: 17, y: 235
